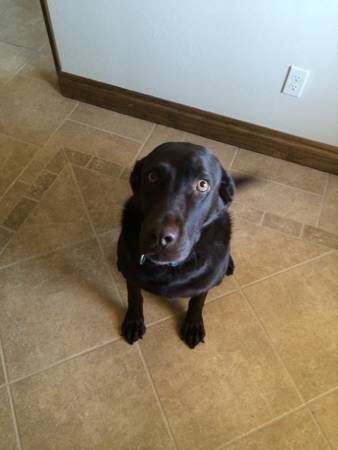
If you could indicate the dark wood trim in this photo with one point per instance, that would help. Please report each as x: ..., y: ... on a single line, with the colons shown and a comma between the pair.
x: 231, y: 131
x: 52, y: 42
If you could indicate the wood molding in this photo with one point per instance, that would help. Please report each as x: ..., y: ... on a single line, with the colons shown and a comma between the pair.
x: 231, y: 131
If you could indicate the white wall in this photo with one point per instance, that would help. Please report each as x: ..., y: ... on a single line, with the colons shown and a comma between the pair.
x: 224, y: 56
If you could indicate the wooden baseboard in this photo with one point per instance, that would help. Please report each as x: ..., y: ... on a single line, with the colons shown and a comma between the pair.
x: 231, y: 131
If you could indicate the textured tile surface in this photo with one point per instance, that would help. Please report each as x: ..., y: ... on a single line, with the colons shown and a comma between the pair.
x: 329, y: 216
x: 12, y: 58
x: 22, y: 24
x: 295, y: 432
x: 162, y: 134
x: 8, y: 439
x: 104, y: 197
x: 58, y: 219
x: 279, y: 170
x: 65, y: 302
x: 32, y: 109
x: 281, y: 200
x: 110, y: 147
x: 2, y: 376
x: 112, y: 121
x: 299, y: 310
x: 101, y: 400
x: 223, y: 388
x: 14, y: 156
x: 326, y: 412
x: 257, y: 251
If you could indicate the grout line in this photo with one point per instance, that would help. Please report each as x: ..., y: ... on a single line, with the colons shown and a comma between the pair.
x: 105, y: 130
x: 303, y: 263
x: 324, y: 193
x: 233, y: 157
x: 261, y: 220
x: 139, y: 151
x: 98, y: 242
x: 151, y: 381
x: 321, y: 430
x: 64, y: 360
x: 276, y: 419
x: 43, y: 254
x: 260, y: 177
x: 10, y: 396
x: 271, y: 344
x: 38, y: 147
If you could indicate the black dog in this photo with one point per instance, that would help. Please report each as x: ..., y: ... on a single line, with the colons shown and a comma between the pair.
x: 175, y: 233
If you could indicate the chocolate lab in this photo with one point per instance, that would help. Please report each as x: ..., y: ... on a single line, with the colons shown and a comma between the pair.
x: 175, y: 233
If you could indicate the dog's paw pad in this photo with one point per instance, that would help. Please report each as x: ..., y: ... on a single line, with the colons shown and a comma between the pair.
x: 132, y: 330
x: 193, y: 333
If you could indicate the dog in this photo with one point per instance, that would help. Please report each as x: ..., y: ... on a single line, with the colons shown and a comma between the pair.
x: 175, y: 233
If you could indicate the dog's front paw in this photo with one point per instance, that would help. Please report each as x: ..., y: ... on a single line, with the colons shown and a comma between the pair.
x: 193, y: 332
x: 133, y: 329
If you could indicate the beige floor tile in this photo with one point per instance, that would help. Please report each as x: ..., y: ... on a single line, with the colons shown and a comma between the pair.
x: 5, y: 236
x: 326, y: 412
x: 282, y: 171
x: 58, y: 219
x: 299, y: 310
x: 245, y: 212
x: 104, y: 197
x: 11, y: 59
x: 55, y: 306
x: 107, y: 146
x: 14, y: 156
x: 7, y: 439
x: 260, y: 251
x: 297, y: 431
x: 329, y: 216
x: 101, y: 400
x: 287, y: 226
x: 155, y: 307
x: 161, y: 134
x: 40, y: 66
x: 282, y: 200
x: 22, y: 24
x: 112, y: 121
x: 320, y: 236
x: 2, y: 376
x: 224, y: 387
x: 11, y: 199
x: 32, y: 109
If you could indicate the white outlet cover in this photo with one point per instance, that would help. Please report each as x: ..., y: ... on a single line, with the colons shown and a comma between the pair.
x: 295, y: 81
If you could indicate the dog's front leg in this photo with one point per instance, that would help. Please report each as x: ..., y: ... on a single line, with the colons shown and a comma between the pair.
x: 133, y: 327
x: 192, y: 331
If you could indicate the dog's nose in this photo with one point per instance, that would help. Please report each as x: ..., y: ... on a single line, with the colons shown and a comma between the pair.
x: 165, y: 236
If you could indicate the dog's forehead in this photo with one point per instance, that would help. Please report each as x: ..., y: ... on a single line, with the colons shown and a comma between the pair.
x: 183, y: 155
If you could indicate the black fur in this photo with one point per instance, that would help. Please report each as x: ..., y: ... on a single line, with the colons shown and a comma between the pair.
x: 198, y: 221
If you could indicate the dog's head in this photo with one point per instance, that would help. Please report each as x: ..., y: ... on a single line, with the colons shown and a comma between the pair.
x: 179, y: 188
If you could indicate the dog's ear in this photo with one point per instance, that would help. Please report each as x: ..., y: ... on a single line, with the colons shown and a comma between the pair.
x: 135, y: 176
x: 227, y: 188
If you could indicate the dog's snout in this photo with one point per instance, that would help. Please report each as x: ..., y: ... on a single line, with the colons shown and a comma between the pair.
x: 164, y: 236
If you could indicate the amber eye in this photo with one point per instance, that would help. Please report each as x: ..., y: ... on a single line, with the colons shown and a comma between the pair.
x: 152, y: 177
x: 202, y: 186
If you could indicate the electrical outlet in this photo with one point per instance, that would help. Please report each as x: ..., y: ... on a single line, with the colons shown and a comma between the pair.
x: 295, y: 81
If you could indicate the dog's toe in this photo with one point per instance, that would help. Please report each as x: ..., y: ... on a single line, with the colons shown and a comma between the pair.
x: 193, y: 333
x: 132, y: 330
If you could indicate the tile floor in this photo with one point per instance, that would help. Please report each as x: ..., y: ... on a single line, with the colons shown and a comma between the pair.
x: 267, y: 376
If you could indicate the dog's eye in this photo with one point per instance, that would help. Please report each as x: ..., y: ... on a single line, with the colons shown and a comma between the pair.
x: 202, y: 186
x: 152, y: 177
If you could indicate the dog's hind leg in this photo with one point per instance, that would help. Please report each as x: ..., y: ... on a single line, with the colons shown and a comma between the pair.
x: 133, y: 327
